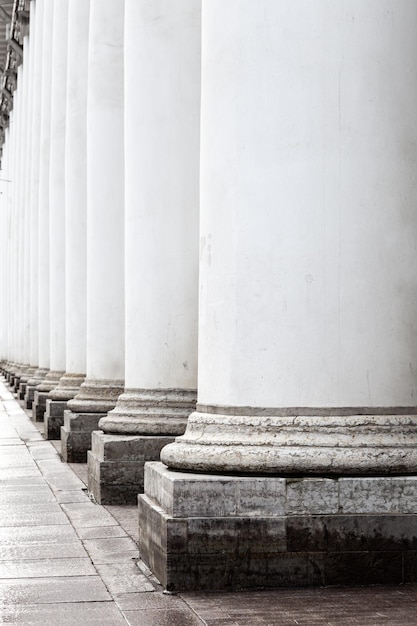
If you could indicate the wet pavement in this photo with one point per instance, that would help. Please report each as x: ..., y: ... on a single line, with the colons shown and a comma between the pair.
x: 65, y: 560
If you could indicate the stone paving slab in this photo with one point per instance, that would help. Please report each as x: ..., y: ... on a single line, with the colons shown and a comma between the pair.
x: 31, y: 551
x: 87, y: 514
x: 101, y: 532
x: 124, y: 577
x: 53, y: 590
x: 42, y: 568
x: 32, y: 515
x: 75, y: 614
x: 37, y: 535
x: 23, y: 494
x: 111, y: 550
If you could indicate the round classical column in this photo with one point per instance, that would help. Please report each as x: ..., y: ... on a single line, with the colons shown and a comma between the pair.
x: 23, y: 219
x: 162, y: 98
x: 75, y: 190
x: 308, y: 294
x: 162, y: 112
x: 105, y: 225
x: 57, y: 189
x: 29, y: 63
x: 75, y: 201
x: 43, y: 198
x: 50, y: 377
x: 18, y: 209
x: 37, y: 18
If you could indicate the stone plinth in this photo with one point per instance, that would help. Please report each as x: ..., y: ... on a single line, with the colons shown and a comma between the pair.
x: 116, y: 465
x: 200, y: 531
x: 76, y: 435
x: 41, y: 394
x: 56, y: 403
x: 135, y: 431
x: 31, y: 385
x: 23, y: 382
x: 95, y: 399
x: 53, y: 418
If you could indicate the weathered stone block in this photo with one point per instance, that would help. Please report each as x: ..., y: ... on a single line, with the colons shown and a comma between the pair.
x: 355, y: 533
x: 76, y: 435
x: 363, y: 568
x: 192, y: 535
x: 115, y: 465
x: 214, y: 496
x: 39, y: 405
x: 312, y: 495
x: 54, y: 418
x: 391, y: 494
x: 22, y: 391
x: 29, y: 396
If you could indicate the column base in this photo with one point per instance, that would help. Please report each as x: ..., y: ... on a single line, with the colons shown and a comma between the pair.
x: 53, y: 418
x: 291, y: 442
x: 42, y: 392
x: 116, y: 465
x: 76, y: 435
x: 150, y: 412
x: 200, y: 531
x: 39, y: 405
x: 95, y: 398
x: 31, y: 385
x: 67, y: 388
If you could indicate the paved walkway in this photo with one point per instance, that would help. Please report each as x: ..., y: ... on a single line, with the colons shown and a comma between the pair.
x: 65, y: 561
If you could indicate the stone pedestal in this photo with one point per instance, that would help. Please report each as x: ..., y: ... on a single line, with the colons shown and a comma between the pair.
x: 116, y: 465
x: 53, y: 418
x: 95, y: 399
x: 140, y: 425
x: 56, y: 403
x: 24, y: 380
x: 200, y: 531
x: 42, y: 393
x: 31, y: 385
x: 76, y: 435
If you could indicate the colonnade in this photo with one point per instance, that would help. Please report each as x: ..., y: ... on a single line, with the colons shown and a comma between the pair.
x: 228, y: 188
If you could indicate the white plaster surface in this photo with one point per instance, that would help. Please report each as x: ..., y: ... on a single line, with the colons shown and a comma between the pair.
x: 308, y: 181
x: 76, y: 187
x: 162, y: 117
x: 105, y: 192
x: 43, y: 203
x: 57, y: 187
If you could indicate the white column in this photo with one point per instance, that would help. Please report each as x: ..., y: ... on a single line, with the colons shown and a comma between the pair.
x: 76, y: 189
x: 23, y: 213
x: 162, y: 112
x: 18, y: 252
x: 105, y: 211
x: 57, y: 188
x: 105, y: 192
x: 43, y: 206
x: 37, y: 19
x: 308, y: 259
x: 162, y: 98
x: 75, y: 201
x: 73, y: 249
x: 29, y: 66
